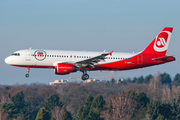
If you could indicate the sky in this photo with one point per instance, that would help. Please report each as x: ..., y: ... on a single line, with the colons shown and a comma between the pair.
x: 91, y: 25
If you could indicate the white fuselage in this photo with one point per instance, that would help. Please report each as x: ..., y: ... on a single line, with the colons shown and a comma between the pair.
x: 50, y: 58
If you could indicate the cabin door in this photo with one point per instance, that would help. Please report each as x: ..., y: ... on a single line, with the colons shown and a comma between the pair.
x: 28, y: 55
x: 139, y: 59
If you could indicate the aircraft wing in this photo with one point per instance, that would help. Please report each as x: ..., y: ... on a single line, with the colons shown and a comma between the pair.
x: 91, y: 61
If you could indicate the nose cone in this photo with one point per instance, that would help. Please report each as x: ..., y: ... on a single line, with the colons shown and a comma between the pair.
x: 7, y: 60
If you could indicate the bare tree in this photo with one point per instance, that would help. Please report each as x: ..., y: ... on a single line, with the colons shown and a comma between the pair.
x: 57, y: 113
x: 3, y: 116
x: 123, y: 107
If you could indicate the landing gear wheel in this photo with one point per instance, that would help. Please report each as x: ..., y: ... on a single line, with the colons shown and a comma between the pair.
x: 85, y: 77
x: 28, y: 69
x: 27, y: 75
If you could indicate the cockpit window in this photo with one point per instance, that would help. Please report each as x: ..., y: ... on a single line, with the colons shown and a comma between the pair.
x: 16, y: 54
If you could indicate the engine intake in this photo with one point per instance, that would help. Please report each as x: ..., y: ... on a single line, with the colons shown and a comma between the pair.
x: 64, y: 68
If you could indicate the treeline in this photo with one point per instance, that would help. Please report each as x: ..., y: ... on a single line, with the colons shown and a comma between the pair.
x: 165, y: 78
x: 143, y: 98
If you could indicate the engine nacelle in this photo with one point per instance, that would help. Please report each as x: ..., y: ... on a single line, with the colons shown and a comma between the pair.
x: 65, y: 68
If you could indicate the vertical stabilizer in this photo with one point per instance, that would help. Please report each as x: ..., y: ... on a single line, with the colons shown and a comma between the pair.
x: 160, y: 44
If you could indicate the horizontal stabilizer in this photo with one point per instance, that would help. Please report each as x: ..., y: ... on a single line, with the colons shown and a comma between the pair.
x: 163, y: 58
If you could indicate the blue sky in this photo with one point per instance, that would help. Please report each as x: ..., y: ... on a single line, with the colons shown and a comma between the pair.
x: 92, y: 25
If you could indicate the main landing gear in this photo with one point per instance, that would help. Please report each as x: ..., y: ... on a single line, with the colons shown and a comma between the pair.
x: 85, y: 76
x: 28, y: 69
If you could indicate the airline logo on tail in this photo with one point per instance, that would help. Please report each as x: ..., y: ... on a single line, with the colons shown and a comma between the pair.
x: 162, y: 41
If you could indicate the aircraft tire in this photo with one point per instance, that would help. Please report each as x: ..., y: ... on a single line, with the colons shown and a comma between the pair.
x: 27, y: 75
x: 85, y: 77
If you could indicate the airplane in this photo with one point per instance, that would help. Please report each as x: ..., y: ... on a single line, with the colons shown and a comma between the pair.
x: 66, y: 62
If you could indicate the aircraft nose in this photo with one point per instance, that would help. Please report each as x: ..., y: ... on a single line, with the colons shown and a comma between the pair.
x: 7, y: 60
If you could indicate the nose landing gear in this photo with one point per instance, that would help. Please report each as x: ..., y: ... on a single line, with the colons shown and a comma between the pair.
x: 28, y: 69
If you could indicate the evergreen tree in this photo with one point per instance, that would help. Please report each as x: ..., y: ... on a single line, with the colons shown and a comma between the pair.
x: 84, y: 109
x: 24, y: 113
x: 153, y: 109
x: 178, y: 99
x: 113, y: 80
x: 177, y: 77
x: 66, y: 114
x: 128, y: 80
x: 165, y: 78
x: 80, y: 111
x: 10, y: 109
x: 43, y: 114
x: 18, y: 108
x: 140, y: 80
x: 165, y: 110
x: 134, y: 79
x: 147, y: 79
x: 157, y: 109
x: 96, y: 108
x: 52, y: 102
x: 132, y: 94
x: 143, y: 99
x: 175, y: 110
x: 161, y: 117
x: 18, y: 101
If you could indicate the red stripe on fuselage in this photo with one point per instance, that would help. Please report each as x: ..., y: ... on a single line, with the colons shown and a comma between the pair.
x: 138, y: 61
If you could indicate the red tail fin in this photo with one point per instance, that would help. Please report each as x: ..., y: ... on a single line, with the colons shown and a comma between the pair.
x: 160, y: 44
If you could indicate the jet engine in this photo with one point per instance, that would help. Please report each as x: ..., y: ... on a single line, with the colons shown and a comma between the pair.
x: 65, y: 68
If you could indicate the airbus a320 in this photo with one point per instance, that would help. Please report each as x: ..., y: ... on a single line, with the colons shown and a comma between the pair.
x: 65, y: 62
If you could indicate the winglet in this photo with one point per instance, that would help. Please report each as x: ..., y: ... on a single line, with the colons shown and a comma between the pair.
x: 110, y: 53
